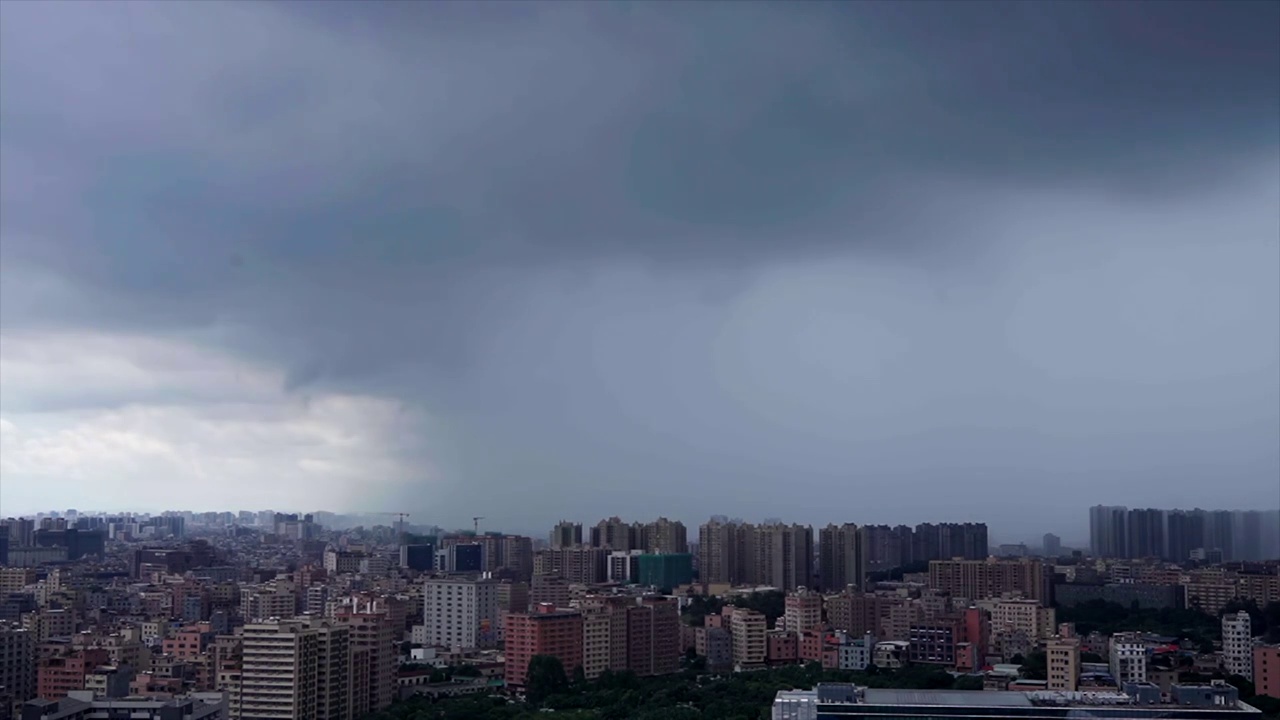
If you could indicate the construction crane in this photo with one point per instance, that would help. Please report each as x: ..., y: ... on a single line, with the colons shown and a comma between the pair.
x: 476, y: 522
x: 400, y: 522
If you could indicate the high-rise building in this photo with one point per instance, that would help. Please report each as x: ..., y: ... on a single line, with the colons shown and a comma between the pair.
x: 294, y: 669
x: 725, y: 552
x: 841, y: 559
x: 566, y: 534
x: 615, y: 534
x: 1108, y: 536
x: 604, y: 634
x: 1237, y: 645
x: 1145, y: 533
x: 17, y: 664
x: 653, y: 636
x: 544, y: 631
x: 665, y: 571
x: 784, y: 556
x: 749, y: 631
x: 372, y: 638
x: 663, y: 537
x: 1052, y: 545
x: 460, y: 612
x: 585, y: 565
x: 1184, y: 532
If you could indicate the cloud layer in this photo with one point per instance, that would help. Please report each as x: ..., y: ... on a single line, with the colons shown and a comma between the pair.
x: 529, y: 261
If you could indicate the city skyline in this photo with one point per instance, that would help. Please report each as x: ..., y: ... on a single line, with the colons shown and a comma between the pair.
x: 815, y: 261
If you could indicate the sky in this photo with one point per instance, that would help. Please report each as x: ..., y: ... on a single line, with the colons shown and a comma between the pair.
x: 856, y: 262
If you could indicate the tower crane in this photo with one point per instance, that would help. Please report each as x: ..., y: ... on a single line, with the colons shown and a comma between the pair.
x: 476, y: 522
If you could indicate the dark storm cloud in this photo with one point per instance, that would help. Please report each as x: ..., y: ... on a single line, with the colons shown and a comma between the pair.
x: 414, y: 199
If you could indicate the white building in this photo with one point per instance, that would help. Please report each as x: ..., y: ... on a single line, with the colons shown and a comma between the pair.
x: 1128, y: 658
x: 1237, y: 645
x: 857, y: 654
x: 459, y: 612
x: 795, y: 705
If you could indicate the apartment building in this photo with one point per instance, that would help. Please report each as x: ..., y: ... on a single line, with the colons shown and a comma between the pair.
x: 1237, y: 645
x: 544, y: 631
x: 460, y: 612
x: 802, y: 611
x: 297, y: 668
x: 992, y: 578
x: 17, y: 663
x: 841, y: 557
x: 1062, y: 659
x: 1128, y: 658
x: 1027, y: 616
x: 58, y: 675
x: 749, y: 630
x: 585, y: 565
x: 653, y: 636
x: 1266, y: 670
x: 371, y: 638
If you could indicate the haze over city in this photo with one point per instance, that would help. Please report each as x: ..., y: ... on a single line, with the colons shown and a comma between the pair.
x: 867, y: 262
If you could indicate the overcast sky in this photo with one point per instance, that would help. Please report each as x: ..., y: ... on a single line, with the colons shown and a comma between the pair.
x: 865, y: 262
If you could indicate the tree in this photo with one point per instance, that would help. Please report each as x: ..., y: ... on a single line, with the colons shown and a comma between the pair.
x: 545, y: 678
x: 1035, y: 666
x: 1091, y: 657
x: 1244, y: 685
x: 968, y: 682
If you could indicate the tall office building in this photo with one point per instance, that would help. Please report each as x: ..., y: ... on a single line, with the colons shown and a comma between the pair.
x: 841, y: 560
x: 294, y: 669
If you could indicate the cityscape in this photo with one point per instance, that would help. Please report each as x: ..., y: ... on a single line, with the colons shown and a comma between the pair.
x: 639, y: 360
x: 264, y: 614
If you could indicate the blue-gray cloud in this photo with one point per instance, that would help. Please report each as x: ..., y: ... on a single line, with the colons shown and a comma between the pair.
x: 585, y: 235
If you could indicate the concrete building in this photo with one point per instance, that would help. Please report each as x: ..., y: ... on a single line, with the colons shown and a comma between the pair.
x: 837, y: 701
x: 1266, y: 670
x: 1127, y: 656
x: 550, y: 590
x: 653, y: 636
x: 585, y: 565
x: 566, y: 534
x: 460, y: 612
x: 58, y: 675
x: 81, y: 705
x: 802, y: 611
x: 1052, y: 545
x: 1026, y: 616
x: 295, y: 669
x: 978, y: 579
x: 749, y: 630
x: 666, y: 571
x: 17, y: 663
x: 663, y: 537
x: 544, y: 631
x: 716, y: 645
x: 371, y: 638
x: 841, y: 558
x: 1062, y: 659
x: 784, y: 556
x: 604, y: 635
x: 1237, y: 645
